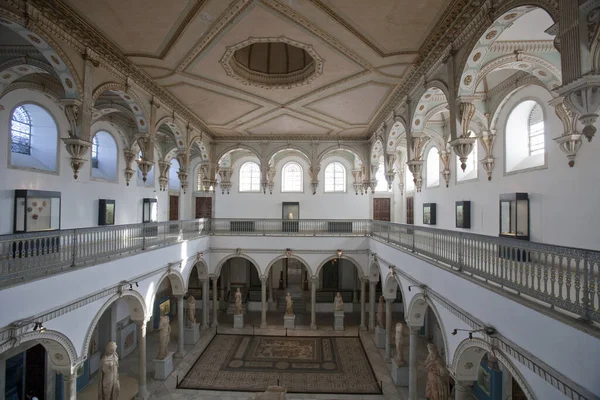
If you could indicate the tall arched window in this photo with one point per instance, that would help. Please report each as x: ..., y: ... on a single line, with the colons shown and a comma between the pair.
x: 291, y: 177
x: 95, y: 152
x: 33, y: 138
x: 433, y: 167
x: 382, y: 184
x: 409, y: 183
x: 335, y: 177
x: 525, y: 137
x: 470, y: 171
x: 20, y: 131
x: 250, y: 177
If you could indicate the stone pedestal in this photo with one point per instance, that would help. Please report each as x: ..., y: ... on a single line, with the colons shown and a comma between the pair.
x: 379, y: 337
x: 238, y: 321
x: 338, y: 320
x: 400, y: 374
x: 289, y: 321
x: 191, y: 335
x: 163, y: 368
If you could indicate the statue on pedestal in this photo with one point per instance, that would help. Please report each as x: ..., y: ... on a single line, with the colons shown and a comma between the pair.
x: 338, y: 302
x: 381, y: 313
x: 399, y: 342
x: 289, y: 305
x: 191, y: 311
x: 109, y: 374
x: 437, y: 387
x: 238, y: 302
x: 164, y: 329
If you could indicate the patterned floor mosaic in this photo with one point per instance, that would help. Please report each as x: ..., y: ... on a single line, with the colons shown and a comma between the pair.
x: 301, y: 364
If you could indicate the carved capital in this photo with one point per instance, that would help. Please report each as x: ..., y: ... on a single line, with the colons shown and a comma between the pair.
x: 585, y: 101
x: 416, y: 168
x: 163, y: 178
x: 570, y: 141
x: 462, y: 148
x: 145, y: 167
x: 225, y: 174
x: 76, y: 148
x: 466, y: 112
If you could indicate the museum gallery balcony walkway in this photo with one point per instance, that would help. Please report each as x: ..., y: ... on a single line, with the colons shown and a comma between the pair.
x: 564, y: 278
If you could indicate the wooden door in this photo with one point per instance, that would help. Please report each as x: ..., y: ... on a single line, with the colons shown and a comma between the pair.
x: 203, y: 207
x: 410, y: 210
x: 173, y: 208
x: 381, y: 209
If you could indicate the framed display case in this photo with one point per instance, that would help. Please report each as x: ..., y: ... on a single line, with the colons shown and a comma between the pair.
x: 463, y: 214
x: 290, y: 211
x: 36, y: 211
x: 150, y: 210
x: 429, y: 214
x: 514, y: 216
x: 106, y: 212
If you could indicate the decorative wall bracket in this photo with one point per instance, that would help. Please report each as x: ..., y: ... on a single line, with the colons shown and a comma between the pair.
x: 487, y: 140
x: 314, y: 177
x: 445, y: 158
x: 462, y: 148
x: 416, y: 168
x: 467, y: 111
x: 571, y: 139
x: 77, y: 148
x: 271, y: 178
x: 145, y: 167
x: 183, y: 179
x: 225, y: 174
x: 163, y: 177
x: 129, y: 157
x: 583, y: 98
x: 357, y: 185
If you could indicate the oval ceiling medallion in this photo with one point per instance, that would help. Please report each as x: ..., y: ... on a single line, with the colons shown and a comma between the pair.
x: 272, y: 63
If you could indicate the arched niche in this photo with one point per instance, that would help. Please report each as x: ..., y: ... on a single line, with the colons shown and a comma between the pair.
x: 415, y: 316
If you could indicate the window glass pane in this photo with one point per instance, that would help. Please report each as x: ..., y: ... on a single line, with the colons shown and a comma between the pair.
x: 250, y: 177
x: 335, y: 177
x: 382, y: 185
x: 292, y: 177
x: 20, y: 131
x: 95, y: 152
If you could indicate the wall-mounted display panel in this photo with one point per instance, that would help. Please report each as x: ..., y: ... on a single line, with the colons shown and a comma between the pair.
x: 429, y: 213
x: 463, y: 214
x: 106, y: 212
x: 150, y: 210
x: 36, y: 211
x: 514, y: 216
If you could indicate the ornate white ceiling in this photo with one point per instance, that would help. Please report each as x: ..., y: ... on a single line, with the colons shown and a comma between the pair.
x: 366, y: 46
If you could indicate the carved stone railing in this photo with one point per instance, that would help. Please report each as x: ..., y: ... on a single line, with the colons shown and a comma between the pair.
x: 565, y: 278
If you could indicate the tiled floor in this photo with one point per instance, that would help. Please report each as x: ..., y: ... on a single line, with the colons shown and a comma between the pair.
x: 165, y: 390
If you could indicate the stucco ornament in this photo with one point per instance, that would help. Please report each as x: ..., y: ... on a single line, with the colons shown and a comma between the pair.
x: 380, y: 313
x: 109, y: 374
x: 289, y: 305
x: 191, y: 311
x: 338, y: 302
x: 399, y: 343
x: 238, y: 302
x: 437, y: 387
x: 164, y: 329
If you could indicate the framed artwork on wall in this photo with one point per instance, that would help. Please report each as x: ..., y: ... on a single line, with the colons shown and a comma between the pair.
x: 128, y: 340
x: 106, y: 212
x: 429, y: 213
x: 463, y: 214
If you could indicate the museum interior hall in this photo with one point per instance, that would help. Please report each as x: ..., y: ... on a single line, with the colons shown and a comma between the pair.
x: 299, y: 199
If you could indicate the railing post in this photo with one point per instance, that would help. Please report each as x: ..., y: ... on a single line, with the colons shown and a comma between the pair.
x: 585, y: 301
x: 388, y: 229
x: 74, y: 247
x: 460, y: 252
x: 143, y: 237
x: 414, y: 232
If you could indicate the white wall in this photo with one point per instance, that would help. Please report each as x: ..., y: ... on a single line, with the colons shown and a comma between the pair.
x: 346, y: 205
x: 79, y: 197
x: 563, y: 201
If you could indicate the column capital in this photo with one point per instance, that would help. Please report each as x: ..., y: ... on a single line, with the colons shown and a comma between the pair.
x: 389, y: 300
x: 263, y: 279
x: 414, y: 329
x: 314, y: 279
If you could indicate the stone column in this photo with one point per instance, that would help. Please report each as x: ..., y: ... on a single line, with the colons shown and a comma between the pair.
x: 142, y: 393
x: 388, y: 329
x: 314, y: 282
x: 363, y: 304
x: 372, y: 305
x: 412, y: 363
x: 462, y: 390
x: 205, y: 304
x: 263, y: 302
x: 180, y: 313
x: 215, y: 302
x: 70, y: 386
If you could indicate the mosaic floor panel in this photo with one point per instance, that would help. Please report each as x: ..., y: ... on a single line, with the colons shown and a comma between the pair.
x: 301, y: 364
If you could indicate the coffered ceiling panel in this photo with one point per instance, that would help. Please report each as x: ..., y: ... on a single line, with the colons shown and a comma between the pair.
x: 288, y: 124
x: 137, y: 26
x: 212, y: 107
x: 354, y: 106
x: 390, y: 25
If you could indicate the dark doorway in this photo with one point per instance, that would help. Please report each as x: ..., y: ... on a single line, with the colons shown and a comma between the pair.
x: 410, y: 210
x: 381, y: 209
x: 173, y: 208
x: 35, y: 371
x: 203, y: 207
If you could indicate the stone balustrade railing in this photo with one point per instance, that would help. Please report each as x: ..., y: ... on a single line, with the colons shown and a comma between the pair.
x: 563, y: 277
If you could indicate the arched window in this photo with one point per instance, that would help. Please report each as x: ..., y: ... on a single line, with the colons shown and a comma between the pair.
x: 20, y: 131
x: 174, y: 183
x: 433, y: 167
x: 335, y: 177
x: 291, y: 177
x: 470, y: 171
x: 250, y: 177
x: 525, y: 137
x: 382, y: 184
x: 104, y: 156
x: 33, y: 138
x: 95, y: 152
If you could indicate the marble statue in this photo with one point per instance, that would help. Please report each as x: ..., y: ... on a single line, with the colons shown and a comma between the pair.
x: 399, y: 342
x: 238, y: 302
x: 381, y: 313
x: 109, y: 374
x: 338, y: 302
x: 164, y: 329
x: 191, y: 311
x: 289, y: 305
x: 437, y: 387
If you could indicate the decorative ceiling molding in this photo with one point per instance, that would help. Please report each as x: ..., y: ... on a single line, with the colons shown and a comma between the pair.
x: 526, y: 46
